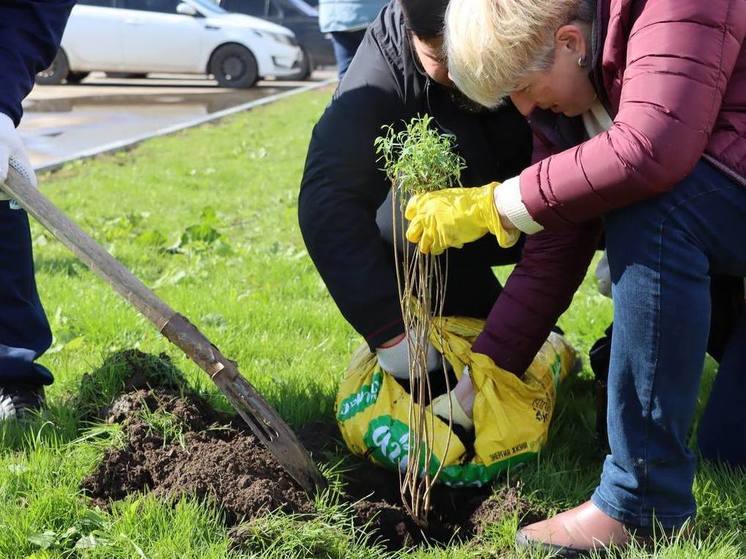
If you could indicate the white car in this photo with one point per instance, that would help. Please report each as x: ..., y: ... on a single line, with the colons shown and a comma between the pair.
x: 174, y: 36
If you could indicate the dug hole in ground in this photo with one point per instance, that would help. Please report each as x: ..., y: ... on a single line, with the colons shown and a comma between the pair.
x: 175, y: 444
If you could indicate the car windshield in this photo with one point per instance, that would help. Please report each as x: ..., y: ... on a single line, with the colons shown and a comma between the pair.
x: 208, y: 6
x: 305, y: 8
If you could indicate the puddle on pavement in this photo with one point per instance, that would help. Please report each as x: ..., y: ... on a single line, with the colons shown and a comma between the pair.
x: 56, y: 128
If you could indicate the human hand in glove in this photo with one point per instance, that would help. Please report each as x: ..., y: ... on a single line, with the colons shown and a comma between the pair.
x: 458, y: 404
x: 454, y: 216
x: 11, y: 148
x: 393, y: 357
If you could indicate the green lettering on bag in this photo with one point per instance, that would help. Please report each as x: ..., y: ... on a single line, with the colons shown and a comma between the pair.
x: 387, y: 439
x: 556, y: 368
x: 363, y: 398
x: 478, y: 475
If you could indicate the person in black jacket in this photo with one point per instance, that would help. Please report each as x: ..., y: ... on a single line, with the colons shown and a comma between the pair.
x: 30, y: 34
x: 345, y: 216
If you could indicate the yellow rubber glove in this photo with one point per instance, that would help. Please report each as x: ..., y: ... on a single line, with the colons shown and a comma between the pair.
x: 454, y: 216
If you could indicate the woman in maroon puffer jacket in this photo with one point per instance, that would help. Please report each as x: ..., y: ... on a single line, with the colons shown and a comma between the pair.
x: 643, y: 105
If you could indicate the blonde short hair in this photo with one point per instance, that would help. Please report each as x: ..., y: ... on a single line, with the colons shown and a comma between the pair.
x: 493, y: 44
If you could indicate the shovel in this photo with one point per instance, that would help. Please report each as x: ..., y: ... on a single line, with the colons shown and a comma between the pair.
x: 263, y: 420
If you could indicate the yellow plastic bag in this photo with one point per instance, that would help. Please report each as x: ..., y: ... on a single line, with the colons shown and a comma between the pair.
x: 511, y: 414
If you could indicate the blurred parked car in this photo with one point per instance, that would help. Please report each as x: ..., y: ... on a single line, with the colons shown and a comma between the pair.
x: 298, y: 16
x: 134, y: 37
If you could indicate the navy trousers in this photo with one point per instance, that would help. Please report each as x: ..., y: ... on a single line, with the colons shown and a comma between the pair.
x: 24, y: 329
x: 345, y: 45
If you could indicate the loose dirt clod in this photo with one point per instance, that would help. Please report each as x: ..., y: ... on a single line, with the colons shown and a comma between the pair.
x: 176, y: 444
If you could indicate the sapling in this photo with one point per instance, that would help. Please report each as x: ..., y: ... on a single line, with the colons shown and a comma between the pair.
x: 418, y: 159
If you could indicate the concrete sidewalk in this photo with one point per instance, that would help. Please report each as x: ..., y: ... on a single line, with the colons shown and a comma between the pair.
x: 62, y: 122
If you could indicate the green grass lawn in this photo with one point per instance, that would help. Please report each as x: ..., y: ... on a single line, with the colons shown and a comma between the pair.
x: 207, y: 217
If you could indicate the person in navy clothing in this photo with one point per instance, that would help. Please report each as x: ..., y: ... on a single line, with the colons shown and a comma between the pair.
x: 30, y: 34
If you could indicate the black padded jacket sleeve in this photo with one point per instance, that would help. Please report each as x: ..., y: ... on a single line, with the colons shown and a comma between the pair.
x: 341, y: 191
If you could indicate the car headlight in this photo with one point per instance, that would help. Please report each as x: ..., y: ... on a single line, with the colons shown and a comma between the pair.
x: 278, y: 37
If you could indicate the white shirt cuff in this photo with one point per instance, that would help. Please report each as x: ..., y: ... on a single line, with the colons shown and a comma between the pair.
x: 509, y: 203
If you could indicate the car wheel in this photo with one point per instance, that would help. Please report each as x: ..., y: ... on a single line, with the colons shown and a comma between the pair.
x: 76, y: 77
x: 57, y: 71
x: 306, y: 66
x: 234, y: 66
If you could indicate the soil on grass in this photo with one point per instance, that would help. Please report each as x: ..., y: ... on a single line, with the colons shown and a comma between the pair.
x: 176, y: 444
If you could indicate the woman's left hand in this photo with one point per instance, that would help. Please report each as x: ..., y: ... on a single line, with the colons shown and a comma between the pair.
x: 451, y: 217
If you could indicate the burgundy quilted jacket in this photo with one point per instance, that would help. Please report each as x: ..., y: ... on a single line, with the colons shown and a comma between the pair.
x: 672, y: 74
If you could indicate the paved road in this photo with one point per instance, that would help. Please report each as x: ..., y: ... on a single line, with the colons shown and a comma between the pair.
x: 60, y: 121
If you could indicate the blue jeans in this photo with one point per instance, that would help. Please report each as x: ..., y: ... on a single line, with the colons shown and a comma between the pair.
x: 24, y: 330
x: 345, y: 45
x: 662, y: 253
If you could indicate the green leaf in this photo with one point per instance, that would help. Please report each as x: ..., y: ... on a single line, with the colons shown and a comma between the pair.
x: 44, y: 540
x: 90, y: 541
x: 151, y: 237
x: 202, y: 232
x: 209, y: 216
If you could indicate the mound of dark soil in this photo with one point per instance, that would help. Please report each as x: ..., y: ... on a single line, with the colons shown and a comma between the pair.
x: 206, y: 456
x: 177, y: 445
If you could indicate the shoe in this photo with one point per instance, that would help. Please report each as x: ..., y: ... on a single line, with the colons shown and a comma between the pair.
x: 575, y: 533
x: 16, y: 400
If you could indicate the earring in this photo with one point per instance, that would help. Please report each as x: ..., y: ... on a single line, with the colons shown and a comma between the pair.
x: 582, y: 62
